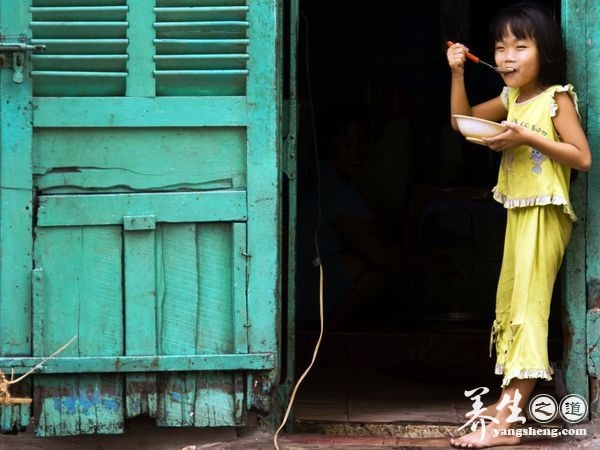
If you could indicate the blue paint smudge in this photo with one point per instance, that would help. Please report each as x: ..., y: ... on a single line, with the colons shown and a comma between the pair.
x: 175, y: 396
x: 86, y: 401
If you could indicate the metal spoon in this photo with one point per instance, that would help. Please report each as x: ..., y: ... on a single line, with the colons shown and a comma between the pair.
x: 474, y: 58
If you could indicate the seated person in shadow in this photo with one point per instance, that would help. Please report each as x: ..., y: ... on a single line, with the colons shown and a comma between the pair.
x: 336, y: 227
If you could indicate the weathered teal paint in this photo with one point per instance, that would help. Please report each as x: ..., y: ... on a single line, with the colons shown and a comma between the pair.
x: 264, y: 189
x: 142, y: 363
x: 16, y: 191
x: 575, y: 371
x: 582, y: 361
x: 590, y: 30
x: 153, y: 150
x: 15, y: 216
x: 289, y: 170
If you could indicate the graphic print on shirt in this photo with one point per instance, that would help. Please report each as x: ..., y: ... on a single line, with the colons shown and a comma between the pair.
x: 537, y: 158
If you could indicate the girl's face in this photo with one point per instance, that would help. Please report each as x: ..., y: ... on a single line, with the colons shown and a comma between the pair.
x: 523, y: 56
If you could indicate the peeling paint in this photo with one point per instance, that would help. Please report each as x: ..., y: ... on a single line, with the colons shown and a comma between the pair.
x: 594, y: 292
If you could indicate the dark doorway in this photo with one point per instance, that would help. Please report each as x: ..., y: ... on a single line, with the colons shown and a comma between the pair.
x: 428, y: 188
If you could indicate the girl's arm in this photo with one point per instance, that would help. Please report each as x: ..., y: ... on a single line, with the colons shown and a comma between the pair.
x: 573, y: 150
x: 459, y: 101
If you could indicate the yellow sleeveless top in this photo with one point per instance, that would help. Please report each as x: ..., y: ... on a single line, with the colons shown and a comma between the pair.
x: 526, y: 176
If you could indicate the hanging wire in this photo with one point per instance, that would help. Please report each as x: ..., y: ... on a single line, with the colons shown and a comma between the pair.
x: 317, y: 260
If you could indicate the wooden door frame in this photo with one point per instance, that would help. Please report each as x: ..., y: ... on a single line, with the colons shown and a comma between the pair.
x: 580, y: 270
x: 582, y: 275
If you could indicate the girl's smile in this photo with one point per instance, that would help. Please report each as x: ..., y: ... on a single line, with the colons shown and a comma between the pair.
x: 522, y: 55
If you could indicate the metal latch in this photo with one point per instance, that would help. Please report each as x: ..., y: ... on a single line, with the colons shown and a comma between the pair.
x: 21, y: 47
x: 16, y: 60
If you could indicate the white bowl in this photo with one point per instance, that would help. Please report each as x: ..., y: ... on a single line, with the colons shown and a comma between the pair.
x: 474, y: 128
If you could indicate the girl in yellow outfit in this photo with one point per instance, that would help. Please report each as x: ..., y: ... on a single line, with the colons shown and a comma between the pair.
x: 542, y: 142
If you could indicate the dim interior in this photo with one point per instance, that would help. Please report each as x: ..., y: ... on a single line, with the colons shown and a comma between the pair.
x: 428, y: 189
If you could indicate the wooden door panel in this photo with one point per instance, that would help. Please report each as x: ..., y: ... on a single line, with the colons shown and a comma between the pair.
x: 139, y: 159
x: 195, y: 285
x: 140, y: 162
x: 175, y: 289
x: 80, y: 293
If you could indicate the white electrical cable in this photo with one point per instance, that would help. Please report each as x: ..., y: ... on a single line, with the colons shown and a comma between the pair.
x: 312, y: 361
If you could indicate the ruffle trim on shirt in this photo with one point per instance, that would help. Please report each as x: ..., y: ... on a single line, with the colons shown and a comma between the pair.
x: 504, y: 96
x: 553, y: 107
x: 528, y: 374
x: 569, y: 89
x: 542, y: 200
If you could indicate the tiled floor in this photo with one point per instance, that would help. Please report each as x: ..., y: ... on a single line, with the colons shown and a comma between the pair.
x: 396, y: 379
x: 367, y: 396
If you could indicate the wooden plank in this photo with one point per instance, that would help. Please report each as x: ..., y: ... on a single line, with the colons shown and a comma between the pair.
x: 148, y: 159
x: 100, y: 299
x: 239, y: 258
x: 206, y: 399
x: 15, y: 411
x: 587, y: 14
x: 216, y: 400
x: 57, y: 294
x: 140, y: 49
x: 575, y: 30
x: 264, y: 190
x: 81, y: 291
x: 139, y: 112
x: 81, y: 296
x: 140, y: 298
x: 215, y: 332
x: 263, y: 175
x: 140, y: 318
x: 16, y: 213
x: 128, y: 364
x: 78, y: 404
x: 593, y: 342
x: 178, y: 304
x: 14, y: 417
x: 178, y: 326
x: 176, y: 398
x: 289, y: 217
x: 140, y: 394
x: 38, y: 307
x: 106, y: 209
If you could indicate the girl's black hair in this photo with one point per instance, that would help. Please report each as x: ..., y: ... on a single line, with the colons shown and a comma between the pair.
x: 529, y: 20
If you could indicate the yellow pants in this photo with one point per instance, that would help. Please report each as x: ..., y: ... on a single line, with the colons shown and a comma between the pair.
x: 535, y: 242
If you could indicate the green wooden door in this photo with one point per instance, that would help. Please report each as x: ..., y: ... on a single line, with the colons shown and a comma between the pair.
x: 140, y: 211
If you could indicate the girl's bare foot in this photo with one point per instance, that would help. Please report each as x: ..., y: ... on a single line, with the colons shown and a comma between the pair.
x: 500, y: 429
x: 491, y: 411
x: 492, y: 436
